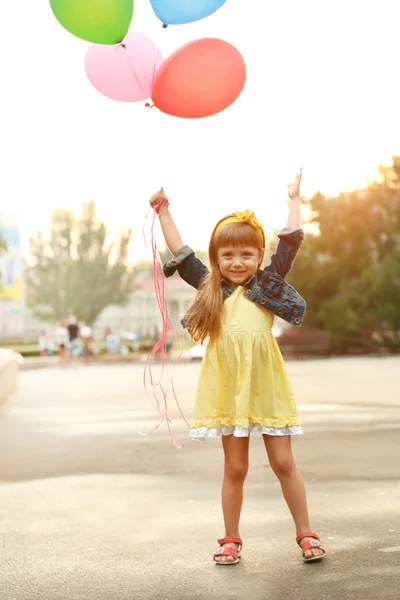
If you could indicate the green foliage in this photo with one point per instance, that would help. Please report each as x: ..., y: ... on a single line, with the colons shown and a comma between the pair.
x: 349, y: 272
x: 77, y: 270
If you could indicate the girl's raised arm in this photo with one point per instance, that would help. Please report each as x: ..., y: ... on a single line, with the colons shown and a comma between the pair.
x: 294, y: 221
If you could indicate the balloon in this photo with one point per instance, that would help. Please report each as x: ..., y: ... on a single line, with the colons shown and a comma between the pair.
x: 177, y: 12
x: 97, y: 21
x: 124, y: 72
x: 199, y: 79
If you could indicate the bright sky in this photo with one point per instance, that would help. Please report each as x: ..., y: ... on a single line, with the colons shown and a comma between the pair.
x: 322, y: 91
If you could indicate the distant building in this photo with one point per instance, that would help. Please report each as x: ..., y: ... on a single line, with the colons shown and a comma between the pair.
x: 142, y: 313
x: 12, y: 301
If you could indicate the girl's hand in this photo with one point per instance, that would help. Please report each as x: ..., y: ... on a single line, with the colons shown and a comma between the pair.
x: 294, y: 186
x: 157, y: 203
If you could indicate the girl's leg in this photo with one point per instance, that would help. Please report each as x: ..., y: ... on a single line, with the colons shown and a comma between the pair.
x: 236, y: 452
x: 283, y: 464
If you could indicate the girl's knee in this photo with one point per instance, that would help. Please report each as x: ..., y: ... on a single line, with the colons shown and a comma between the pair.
x: 283, y: 466
x: 236, y: 471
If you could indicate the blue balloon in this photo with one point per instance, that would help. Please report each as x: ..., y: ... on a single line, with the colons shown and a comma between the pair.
x: 179, y: 12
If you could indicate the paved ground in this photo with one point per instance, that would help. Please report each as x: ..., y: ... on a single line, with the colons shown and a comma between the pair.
x: 90, y: 509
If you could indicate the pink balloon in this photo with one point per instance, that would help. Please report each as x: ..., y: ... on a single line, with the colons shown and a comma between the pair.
x: 124, y: 71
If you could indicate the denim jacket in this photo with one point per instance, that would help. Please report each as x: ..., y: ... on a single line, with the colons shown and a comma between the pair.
x: 267, y: 288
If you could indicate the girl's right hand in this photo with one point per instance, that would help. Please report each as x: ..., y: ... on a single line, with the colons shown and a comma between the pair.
x: 157, y: 203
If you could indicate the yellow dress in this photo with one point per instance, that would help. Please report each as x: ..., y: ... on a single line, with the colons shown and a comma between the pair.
x: 243, y: 388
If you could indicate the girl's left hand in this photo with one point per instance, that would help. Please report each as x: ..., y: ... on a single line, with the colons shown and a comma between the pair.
x: 156, y: 202
x: 294, y: 186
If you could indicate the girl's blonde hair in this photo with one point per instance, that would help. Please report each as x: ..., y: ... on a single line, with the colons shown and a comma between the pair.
x: 203, y: 318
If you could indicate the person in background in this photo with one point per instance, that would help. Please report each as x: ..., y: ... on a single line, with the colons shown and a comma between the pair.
x: 75, y: 345
x: 51, y: 347
x: 61, y: 339
x: 42, y: 341
x: 112, y: 342
x: 86, y: 335
x: 136, y: 343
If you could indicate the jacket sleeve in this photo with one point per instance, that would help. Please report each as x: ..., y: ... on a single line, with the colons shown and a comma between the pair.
x: 282, y: 261
x: 189, y: 267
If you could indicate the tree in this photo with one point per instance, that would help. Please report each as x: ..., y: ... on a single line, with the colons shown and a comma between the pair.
x: 78, y: 270
x: 349, y: 272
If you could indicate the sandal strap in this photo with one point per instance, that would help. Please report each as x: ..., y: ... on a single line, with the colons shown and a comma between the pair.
x: 311, y: 545
x: 226, y: 551
x: 310, y: 534
x: 231, y: 540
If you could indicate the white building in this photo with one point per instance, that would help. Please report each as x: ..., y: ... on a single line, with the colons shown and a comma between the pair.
x: 142, y: 313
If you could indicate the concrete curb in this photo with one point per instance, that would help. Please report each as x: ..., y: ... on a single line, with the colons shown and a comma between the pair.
x: 8, y: 373
x: 45, y: 363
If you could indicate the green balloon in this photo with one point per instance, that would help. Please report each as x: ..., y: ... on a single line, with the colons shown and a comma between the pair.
x: 97, y: 21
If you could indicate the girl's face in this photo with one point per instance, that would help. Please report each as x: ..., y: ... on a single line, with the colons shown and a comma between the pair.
x: 238, y: 263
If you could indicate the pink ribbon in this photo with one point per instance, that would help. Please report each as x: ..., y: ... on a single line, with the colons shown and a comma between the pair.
x: 160, y: 405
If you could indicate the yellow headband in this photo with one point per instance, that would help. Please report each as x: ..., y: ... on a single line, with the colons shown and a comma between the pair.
x: 243, y: 217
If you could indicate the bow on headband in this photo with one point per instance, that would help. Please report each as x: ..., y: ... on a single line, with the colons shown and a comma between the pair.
x: 243, y: 217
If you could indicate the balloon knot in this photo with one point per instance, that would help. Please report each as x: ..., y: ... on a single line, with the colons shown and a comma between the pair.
x: 123, y: 46
x: 148, y: 105
x: 165, y: 26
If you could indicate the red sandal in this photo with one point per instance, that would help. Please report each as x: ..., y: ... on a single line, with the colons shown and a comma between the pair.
x: 227, y: 551
x: 309, y: 545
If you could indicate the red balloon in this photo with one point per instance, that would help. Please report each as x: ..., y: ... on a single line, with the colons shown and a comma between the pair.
x: 199, y: 79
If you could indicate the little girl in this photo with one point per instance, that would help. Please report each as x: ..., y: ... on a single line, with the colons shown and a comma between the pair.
x: 243, y: 388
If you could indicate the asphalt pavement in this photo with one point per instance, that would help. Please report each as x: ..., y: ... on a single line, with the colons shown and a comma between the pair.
x: 93, y: 508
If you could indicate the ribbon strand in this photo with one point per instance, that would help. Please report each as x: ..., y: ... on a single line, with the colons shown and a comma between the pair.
x: 160, y: 405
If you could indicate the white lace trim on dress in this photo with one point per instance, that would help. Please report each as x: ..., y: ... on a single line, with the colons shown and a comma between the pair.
x: 201, y: 433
